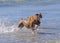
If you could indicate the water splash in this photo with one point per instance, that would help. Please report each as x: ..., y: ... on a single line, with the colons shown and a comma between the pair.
x: 7, y: 27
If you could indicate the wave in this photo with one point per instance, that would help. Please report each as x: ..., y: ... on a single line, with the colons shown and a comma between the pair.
x: 28, y: 2
x: 7, y: 27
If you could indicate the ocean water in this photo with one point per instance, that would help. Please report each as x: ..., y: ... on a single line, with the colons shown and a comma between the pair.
x: 12, y: 12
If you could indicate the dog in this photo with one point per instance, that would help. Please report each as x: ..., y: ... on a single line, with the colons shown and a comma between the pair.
x: 31, y: 22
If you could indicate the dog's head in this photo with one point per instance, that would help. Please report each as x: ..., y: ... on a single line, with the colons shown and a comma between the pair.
x: 39, y: 15
x: 38, y: 20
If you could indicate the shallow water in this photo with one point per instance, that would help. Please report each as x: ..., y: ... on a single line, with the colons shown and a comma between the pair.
x: 44, y: 36
x: 12, y: 12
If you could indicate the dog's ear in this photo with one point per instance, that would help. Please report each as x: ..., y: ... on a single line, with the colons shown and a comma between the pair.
x: 36, y: 14
x: 39, y: 15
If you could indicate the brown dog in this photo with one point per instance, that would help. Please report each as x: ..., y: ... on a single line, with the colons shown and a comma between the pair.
x: 31, y: 22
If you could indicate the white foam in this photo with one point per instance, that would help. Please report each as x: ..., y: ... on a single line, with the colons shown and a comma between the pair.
x: 6, y: 28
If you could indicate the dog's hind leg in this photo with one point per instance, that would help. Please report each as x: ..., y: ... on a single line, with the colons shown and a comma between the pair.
x: 20, y: 25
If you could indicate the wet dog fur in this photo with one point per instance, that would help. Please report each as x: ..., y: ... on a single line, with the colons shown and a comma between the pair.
x: 31, y: 22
